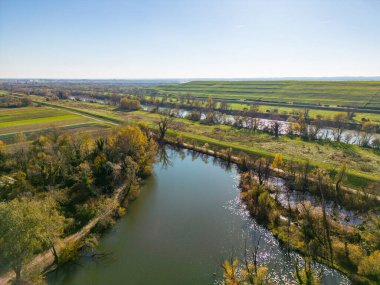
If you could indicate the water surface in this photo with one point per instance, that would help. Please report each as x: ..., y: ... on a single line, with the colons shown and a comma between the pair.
x: 186, y: 222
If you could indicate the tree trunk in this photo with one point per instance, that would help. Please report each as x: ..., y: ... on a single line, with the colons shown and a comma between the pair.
x: 18, y: 275
x: 54, y: 252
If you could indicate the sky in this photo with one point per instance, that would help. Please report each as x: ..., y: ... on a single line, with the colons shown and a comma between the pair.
x: 129, y: 39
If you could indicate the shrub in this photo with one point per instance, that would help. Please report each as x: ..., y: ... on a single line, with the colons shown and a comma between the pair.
x: 370, y: 266
x: 129, y: 104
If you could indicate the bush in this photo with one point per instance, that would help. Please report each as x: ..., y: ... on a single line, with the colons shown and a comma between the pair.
x: 69, y: 252
x: 370, y: 266
x: 130, y: 104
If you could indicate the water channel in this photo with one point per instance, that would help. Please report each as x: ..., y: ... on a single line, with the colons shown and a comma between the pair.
x: 187, y: 220
x: 325, y: 133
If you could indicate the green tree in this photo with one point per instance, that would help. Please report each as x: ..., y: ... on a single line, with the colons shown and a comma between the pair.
x: 27, y: 227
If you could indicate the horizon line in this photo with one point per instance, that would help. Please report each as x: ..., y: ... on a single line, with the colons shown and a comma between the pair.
x: 196, y: 78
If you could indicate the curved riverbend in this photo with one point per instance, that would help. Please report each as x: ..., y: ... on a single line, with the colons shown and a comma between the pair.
x: 187, y: 220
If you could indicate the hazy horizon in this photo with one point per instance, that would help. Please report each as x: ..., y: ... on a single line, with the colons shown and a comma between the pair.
x: 331, y: 78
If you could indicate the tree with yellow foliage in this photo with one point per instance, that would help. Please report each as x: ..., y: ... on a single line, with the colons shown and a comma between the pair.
x: 278, y: 162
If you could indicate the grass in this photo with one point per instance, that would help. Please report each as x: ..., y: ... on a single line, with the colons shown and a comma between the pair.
x: 10, y: 138
x: 326, y: 98
x: 313, y: 113
x: 364, y: 164
x: 34, y: 120
x: 317, y: 92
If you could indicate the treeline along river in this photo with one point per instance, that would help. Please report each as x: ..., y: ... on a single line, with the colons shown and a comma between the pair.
x: 187, y: 220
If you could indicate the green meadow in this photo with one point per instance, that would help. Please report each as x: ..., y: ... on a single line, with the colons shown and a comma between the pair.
x: 34, y: 119
x: 332, y: 93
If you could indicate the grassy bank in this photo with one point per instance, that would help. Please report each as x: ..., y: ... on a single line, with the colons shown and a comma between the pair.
x: 364, y: 164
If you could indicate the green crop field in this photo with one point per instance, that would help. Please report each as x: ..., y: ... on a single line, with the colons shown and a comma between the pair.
x: 332, y: 93
x: 37, y: 119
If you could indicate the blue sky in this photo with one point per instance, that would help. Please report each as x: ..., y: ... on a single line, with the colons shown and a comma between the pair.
x: 189, y: 38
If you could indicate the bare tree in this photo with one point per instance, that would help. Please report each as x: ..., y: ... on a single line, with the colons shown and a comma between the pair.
x: 340, y: 121
x: 163, y: 126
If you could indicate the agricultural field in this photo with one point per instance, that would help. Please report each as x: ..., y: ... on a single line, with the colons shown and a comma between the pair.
x: 361, y: 94
x: 32, y: 120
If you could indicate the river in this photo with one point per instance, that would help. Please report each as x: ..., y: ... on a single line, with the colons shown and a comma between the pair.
x: 187, y: 220
x: 325, y: 133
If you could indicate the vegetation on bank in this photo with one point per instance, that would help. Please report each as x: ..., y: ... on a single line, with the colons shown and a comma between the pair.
x: 363, y: 167
x: 355, y: 116
x: 54, y: 186
x: 316, y: 167
x: 311, y: 230
x: 9, y: 101
x: 305, y: 228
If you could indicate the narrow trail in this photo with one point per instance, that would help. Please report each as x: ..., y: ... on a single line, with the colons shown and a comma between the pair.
x: 44, y: 260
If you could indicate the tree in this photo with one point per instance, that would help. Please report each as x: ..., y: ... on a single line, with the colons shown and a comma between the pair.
x: 210, y: 104
x: 302, y: 126
x: 224, y: 106
x: 131, y: 141
x: 341, y: 175
x: 276, y: 129
x: 27, y: 227
x: 163, y: 126
x: 248, y: 273
x: 316, y: 127
x: 26, y: 101
x: 130, y: 104
x: 278, y: 161
x: 321, y: 181
x: 366, y: 135
x: 306, y: 275
x: 340, y: 121
x: 3, y: 151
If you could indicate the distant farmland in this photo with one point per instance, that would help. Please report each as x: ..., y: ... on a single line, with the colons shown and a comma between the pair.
x: 324, y: 93
x: 31, y: 120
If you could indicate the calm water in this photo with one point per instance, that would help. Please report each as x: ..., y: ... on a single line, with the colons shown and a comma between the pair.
x: 348, y: 136
x: 187, y: 220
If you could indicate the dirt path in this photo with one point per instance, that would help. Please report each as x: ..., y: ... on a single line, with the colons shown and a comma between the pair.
x: 46, y: 259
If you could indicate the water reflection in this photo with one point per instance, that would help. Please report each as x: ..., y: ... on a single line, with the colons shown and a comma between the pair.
x: 266, y: 125
x: 188, y: 219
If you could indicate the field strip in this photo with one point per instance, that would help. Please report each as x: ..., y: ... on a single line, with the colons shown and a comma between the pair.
x: 41, y: 129
x: 83, y: 115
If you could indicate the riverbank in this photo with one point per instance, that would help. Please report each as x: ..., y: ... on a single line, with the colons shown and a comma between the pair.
x: 238, y: 160
x: 187, y: 220
x: 285, y: 228
x: 363, y: 163
x: 44, y: 262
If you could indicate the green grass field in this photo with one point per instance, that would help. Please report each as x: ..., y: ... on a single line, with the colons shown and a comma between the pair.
x: 333, y: 93
x: 31, y: 120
